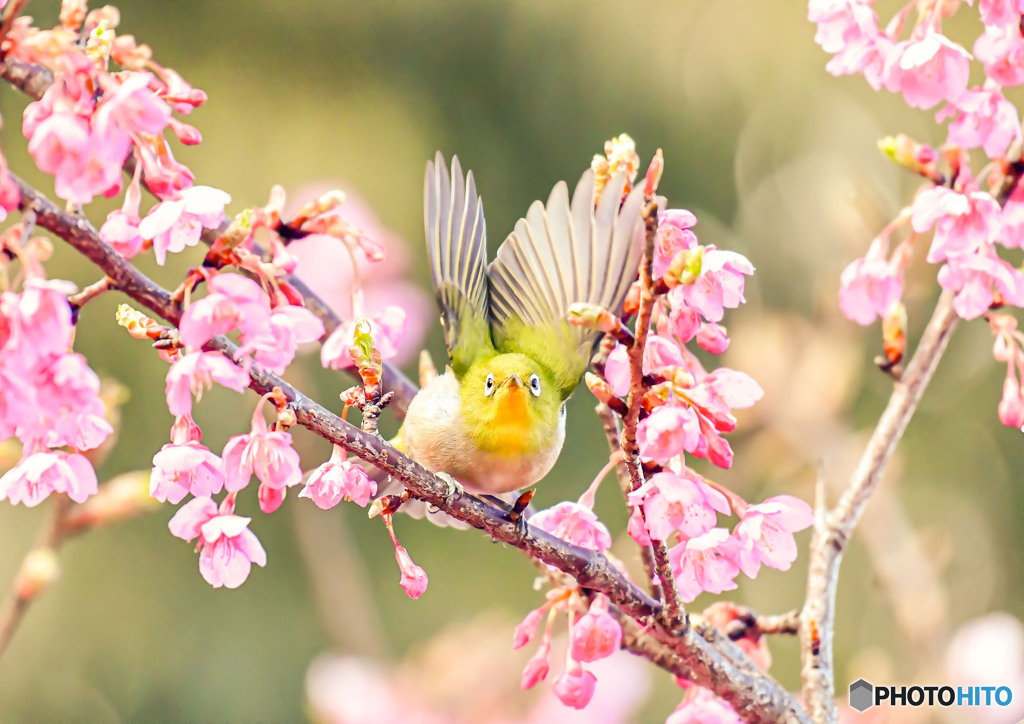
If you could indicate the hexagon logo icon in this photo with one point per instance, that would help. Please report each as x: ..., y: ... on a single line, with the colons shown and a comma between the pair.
x: 861, y: 695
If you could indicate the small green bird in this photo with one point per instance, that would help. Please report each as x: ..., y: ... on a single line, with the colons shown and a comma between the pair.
x: 495, y: 420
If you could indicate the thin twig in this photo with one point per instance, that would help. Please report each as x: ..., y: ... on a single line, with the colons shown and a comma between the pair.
x: 832, y: 530
x: 83, y: 297
x: 711, y: 662
x: 675, y: 613
x: 21, y: 596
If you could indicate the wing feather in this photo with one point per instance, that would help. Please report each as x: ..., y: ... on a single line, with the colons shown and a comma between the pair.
x: 561, y: 253
x: 456, y: 233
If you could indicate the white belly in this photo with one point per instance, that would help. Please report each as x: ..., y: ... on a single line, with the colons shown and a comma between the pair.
x: 435, y: 436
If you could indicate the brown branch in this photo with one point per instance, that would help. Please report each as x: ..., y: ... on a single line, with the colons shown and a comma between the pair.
x: 86, y: 295
x: 832, y: 529
x: 676, y: 618
x: 709, y: 660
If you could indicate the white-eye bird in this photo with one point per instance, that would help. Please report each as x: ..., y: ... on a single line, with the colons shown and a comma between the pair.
x: 495, y: 420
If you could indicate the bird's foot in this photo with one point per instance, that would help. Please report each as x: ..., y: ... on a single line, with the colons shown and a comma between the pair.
x: 515, y: 513
x: 454, y: 488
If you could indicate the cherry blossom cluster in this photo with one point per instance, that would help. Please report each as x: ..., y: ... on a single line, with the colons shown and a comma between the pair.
x: 974, y: 215
x: 111, y: 108
x: 685, y: 410
x: 49, y: 396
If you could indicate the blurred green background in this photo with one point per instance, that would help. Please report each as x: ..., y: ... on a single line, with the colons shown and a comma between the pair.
x: 778, y: 161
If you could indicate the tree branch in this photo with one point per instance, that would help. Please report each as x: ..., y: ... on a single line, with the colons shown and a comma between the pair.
x: 832, y: 529
x: 675, y: 613
x: 709, y: 659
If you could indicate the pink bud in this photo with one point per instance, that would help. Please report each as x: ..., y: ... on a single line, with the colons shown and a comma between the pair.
x: 527, y: 628
x: 637, y: 528
x: 1011, y: 407
x: 537, y: 667
x: 712, y: 337
x: 414, y: 578
x: 596, y: 635
x: 575, y: 687
x: 270, y: 498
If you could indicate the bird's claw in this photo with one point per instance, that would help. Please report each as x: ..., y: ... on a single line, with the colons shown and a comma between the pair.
x: 454, y: 488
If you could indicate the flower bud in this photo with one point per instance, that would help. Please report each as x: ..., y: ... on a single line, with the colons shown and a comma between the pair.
x: 38, y: 570
x: 596, y: 635
x: 575, y: 687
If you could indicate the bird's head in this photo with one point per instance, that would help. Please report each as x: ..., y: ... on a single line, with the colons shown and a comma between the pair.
x: 510, y: 401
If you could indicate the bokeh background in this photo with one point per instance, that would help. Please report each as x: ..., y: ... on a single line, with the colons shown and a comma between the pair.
x: 778, y: 161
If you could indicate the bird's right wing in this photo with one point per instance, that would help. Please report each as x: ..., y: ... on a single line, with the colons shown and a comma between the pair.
x: 456, y: 233
x: 562, y: 253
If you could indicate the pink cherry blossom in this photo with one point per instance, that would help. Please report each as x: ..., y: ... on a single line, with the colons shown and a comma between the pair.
x: 1001, y: 49
x: 869, y: 286
x: 267, y: 454
x: 290, y: 326
x: 718, y: 287
x: 1011, y: 235
x: 712, y: 338
x: 675, y: 502
x: 704, y: 709
x: 196, y: 372
x: 717, y: 394
x: 963, y: 222
x: 928, y: 70
x: 575, y: 688
x: 178, y: 221
x: 983, y: 118
x: 38, y: 474
x: 83, y: 165
x: 980, y: 281
x: 1001, y: 12
x: 185, y: 466
x: 228, y: 547
x: 386, y: 329
x: 527, y: 628
x: 765, y: 533
x: 43, y: 319
x: 867, y: 53
x: 234, y: 302
x: 596, y: 634
x: 658, y: 354
x: 573, y: 523
x: 667, y: 432
x: 840, y: 22
x: 1011, y: 406
x: 704, y: 563
x: 67, y: 409
x: 131, y: 108
x: 164, y: 175
x: 414, y: 578
x: 538, y: 666
x: 673, y: 236
x: 637, y: 528
x: 684, y: 323
x: 338, y: 479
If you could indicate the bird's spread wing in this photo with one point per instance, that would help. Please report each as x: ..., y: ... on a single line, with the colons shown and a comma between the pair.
x: 563, y: 253
x: 457, y: 250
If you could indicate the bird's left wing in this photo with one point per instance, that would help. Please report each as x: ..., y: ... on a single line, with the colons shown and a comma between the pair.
x: 453, y: 216
x: 559, y: 254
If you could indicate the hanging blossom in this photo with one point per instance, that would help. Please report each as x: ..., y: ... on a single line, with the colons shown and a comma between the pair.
x: 339, y: 479
x: 593, y: 636
x: 179, y: 220
x: 268, y: 455
x: 227, y: 548
x: 185, y: 466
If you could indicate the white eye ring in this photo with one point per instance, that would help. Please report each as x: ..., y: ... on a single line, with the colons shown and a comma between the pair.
x: 489, y: 385
x: 535, y: 385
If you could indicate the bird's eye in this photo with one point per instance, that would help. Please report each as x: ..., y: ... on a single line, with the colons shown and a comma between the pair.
x: 535, y: 385
x: 489, y: 385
